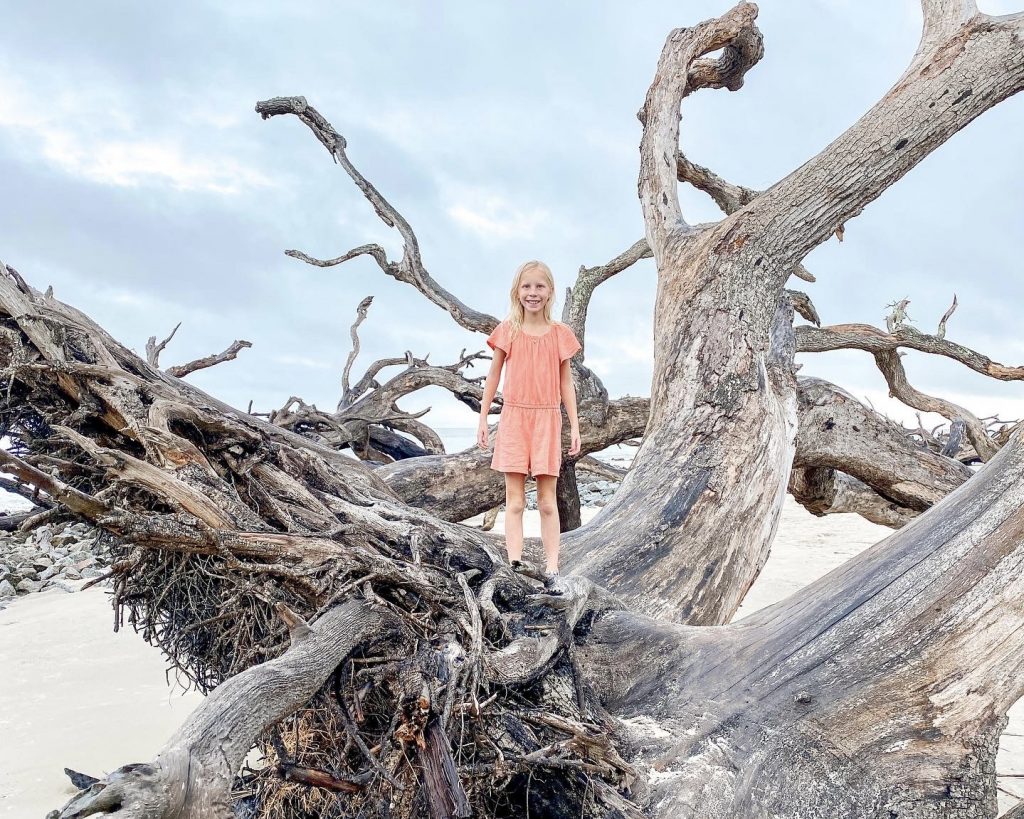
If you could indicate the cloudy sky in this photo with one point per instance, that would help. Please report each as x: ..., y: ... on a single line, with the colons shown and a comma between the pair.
x: 139, y: 182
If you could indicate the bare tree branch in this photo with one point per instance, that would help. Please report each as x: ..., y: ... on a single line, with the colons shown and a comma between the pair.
x: 374, y: 250
x: 577, y: 297
x: 729, y: 197
x: 193, y: 774
x: 885, y: 346
x: 25, y: 490
x: 873, y: 340
x: 73, y: 499
x: 409, y: 268
x: 361, y: 310
x: 209, y: 361
x: 899, y: 387
x: 941, y: 332
x: 153, y: 349
x: 966, y: 63
x: 804, y: 306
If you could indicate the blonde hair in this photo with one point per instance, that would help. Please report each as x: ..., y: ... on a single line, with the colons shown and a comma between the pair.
x: 516, y: 313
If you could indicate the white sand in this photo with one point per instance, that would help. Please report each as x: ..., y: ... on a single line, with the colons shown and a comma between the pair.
x: 73, y: 693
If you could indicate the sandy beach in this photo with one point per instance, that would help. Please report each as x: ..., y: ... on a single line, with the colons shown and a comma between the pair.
x: 75, y: 694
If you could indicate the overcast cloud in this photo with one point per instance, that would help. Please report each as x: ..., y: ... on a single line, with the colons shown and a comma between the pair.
x: 139, y: 182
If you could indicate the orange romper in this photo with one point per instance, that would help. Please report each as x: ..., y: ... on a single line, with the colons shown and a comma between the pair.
x: 529, y: 437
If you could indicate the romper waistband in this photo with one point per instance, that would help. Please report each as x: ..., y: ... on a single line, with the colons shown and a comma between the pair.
x: 531, y: 406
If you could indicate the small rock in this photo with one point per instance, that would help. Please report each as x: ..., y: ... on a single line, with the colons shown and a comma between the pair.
x: 48, y: 573
x: 64, y: 538
x: 28, y: 586
x: 41, y: 539
x: 91, y: 572
x: 71, y: 574
x: 41, y: 563
x: 64, y: 587
x: 85, y: 564
x: 7, y: 590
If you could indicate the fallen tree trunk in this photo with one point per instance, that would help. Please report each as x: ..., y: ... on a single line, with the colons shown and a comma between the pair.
x: 838, y: 432
x: 667, y: 672
x: 880, y: 690
x: 827, y: 492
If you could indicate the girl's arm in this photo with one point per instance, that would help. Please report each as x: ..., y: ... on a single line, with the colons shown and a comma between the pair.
x: 490, y: 388
x: 568, y: 390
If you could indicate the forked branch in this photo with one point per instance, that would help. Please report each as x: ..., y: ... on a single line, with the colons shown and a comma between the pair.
x: 680, y: 72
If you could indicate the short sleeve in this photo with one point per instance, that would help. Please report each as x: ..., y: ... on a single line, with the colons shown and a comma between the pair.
x: 499, y: 338
x: 568, y: 345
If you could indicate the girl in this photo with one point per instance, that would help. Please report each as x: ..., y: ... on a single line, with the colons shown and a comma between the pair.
x: 538, y: 379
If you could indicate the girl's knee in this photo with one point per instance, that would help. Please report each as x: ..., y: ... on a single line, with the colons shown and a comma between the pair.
x: 515, y: 506
x: 547, y: 506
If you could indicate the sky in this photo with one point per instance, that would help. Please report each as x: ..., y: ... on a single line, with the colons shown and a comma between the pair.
x: 139, y: 182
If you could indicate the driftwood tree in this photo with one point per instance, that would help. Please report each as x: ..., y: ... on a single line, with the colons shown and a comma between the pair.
x: 385, y: 659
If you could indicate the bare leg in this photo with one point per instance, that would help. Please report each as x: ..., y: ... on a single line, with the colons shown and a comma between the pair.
x: 515, y: 502
x: 548, y: 507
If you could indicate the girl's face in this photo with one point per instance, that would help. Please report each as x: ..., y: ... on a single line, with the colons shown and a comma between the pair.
x: 534, y: 291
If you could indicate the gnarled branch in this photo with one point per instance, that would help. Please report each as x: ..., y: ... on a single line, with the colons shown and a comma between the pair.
x: 410, y: 268
x: 229, y: 354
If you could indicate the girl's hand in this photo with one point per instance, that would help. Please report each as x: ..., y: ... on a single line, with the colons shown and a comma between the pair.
x: 481, y: 434
x: 574, y: 442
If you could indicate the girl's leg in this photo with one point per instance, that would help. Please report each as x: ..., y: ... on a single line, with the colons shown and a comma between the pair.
x: 515, y: 502
x: 549, y: 524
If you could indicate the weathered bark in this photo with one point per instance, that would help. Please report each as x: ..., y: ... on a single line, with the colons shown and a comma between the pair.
x: 838, y: 432
x: 880, y: 690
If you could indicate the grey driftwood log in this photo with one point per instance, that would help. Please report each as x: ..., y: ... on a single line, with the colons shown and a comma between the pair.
x: 424, y: 677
